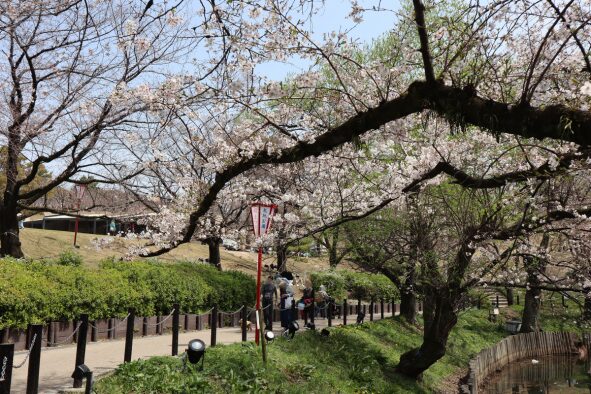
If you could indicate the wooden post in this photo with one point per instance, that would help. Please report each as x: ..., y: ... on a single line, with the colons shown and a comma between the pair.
x: 329, y: 312
x: 370, y: 310
x: 6, y: 361
x: 175, y: 329
x: 110, y: 331
x: 144, y: 326
x: 129, y: 335
x: 382, y: 309
x: 244, y: 314
x: 262, y: 341
x: 81, y: 347
x: 214, y: 325
x: 34, y: 359
x: 393, y: 307
x: 158, y: 325
x: 93, y: 332
x: 199, y: 322
x: 345, y: 306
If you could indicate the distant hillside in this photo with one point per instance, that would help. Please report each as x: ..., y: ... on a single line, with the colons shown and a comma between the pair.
x: 39, y: 244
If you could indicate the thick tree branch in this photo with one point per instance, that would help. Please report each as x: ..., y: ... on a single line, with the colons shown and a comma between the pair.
x: 545, y: 171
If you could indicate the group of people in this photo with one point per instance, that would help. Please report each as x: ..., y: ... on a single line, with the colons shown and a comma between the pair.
x: 281, y: 288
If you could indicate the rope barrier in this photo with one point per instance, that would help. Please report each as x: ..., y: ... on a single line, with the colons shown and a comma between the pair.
x: 162, y: 321
x: 3, y: 373
x: 28, y: 353
x: 232, y: 313
x: 114, y: 327
x: 65, y: 339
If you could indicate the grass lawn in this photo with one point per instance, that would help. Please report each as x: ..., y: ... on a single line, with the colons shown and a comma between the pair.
x: 353, y: 359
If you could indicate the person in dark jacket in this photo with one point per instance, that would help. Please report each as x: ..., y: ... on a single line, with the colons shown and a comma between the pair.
x: 269, y: 293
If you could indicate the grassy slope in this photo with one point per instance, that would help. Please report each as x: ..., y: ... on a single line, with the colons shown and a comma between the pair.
x: 352, y: 360
x: 47, y: 244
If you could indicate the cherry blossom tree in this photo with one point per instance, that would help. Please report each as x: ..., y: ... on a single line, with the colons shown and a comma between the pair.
x: 74, y: 75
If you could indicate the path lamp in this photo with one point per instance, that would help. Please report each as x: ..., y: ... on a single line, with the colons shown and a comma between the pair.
x: 196, y: 351
x: 262, y: 215
x: 79, y: 191
x: 269, y: 336
x: 83, y: 372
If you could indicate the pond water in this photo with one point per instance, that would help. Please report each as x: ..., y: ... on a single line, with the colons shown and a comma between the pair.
x: 553, y: 374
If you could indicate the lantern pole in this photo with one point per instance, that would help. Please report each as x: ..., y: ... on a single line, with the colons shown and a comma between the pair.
x: 259, y: 232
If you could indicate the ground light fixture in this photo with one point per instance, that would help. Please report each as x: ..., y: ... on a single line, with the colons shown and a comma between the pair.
x: 196, y: 351
x: 83, y: 372
x: 269, y: 336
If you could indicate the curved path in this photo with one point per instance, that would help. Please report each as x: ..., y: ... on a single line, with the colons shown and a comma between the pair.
x: 57, y: 363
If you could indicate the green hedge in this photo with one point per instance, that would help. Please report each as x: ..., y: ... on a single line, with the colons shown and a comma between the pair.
x: 357, y: 285
x: 33, y: 292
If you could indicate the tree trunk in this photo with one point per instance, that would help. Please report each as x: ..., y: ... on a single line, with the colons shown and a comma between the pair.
x: 414, y: 362
x: 281, y: 257
x: 509, y: 294
x: 408, y: 306
x: 214, y: 252
x: 10, y: 244
x: 531, y: 310
x: 587, y: 304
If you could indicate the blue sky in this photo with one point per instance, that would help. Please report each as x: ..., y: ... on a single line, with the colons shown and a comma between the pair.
x: 333, y: 17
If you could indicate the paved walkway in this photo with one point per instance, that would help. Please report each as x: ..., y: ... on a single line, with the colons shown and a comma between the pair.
x: 57, y: 363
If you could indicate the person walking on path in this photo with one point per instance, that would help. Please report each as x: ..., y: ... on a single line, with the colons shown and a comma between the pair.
x: 269, y: 292
x: 308, y: 299
x: 285, y: 302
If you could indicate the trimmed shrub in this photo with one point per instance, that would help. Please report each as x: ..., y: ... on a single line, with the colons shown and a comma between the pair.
x: 33, y: 292
x: 357, y: 285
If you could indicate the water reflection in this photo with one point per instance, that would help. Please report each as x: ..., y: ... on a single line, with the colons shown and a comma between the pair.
x: 552, y: 374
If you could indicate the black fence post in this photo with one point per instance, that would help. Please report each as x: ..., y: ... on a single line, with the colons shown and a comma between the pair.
x: 110, y: 330
x: 345, y: 306
x: 382, y: 309
x: 244, y: 314
x: 214, y: 325
x: 50, y: 331
x: 6, y: 360
x: 34, y: 359
x: 497, y: 301
x: 144, y: 326
x: 129, y: 335
x: 329, y: 306
x: 81, y: 346
x: 175, y: 329
x: 371, y: 308
x: 93, y: 332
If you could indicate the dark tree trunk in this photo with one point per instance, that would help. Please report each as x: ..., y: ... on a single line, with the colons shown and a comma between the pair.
x: 408, y: 306
x: 509, y: 294
x: 414, y: 362
x: 587, y: 304
x: 214, y: 252
x: 332, y: 256
x: 10, y: 244
x: 531, y: 310
x: 281, y: 257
